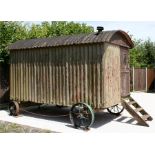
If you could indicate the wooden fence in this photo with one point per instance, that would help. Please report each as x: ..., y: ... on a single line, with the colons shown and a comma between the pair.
x: 142, y: 79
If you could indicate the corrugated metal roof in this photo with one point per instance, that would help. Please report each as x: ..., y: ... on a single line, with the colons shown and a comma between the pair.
x: 104, y: 36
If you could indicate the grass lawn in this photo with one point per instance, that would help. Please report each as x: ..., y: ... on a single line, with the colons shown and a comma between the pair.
x: 6, y: 127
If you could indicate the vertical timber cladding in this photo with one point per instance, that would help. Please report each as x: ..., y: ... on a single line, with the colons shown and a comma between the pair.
x: 67, y: 75
x: 112, y: 80
x: 61, y: 75
x: 11, y: 76
x: 76, y: 70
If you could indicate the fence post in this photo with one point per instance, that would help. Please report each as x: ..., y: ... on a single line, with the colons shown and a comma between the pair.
x: 146, y: 79
x: 133, y: 74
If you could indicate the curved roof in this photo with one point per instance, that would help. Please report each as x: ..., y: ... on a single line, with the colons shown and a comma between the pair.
x: 105, y: 36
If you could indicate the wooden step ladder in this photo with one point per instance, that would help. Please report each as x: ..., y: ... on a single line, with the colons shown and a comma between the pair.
x: 136, y: 111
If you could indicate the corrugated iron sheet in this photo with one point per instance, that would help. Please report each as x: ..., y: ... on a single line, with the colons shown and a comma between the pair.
x: 104, y: 36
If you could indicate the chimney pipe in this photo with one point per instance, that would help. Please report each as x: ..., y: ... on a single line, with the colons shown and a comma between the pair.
x: 99, y: 29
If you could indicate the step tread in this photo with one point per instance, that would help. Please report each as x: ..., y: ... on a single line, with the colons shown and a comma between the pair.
x: 145, y: 117
x: 131, y: 102
x: 139, y: 109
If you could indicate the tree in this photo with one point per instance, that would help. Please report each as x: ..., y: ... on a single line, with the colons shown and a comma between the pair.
x: 136, y: 54
x: 143, y: 54
x: 149, y: 53
x: 9, y: 33
x: 50, y: 29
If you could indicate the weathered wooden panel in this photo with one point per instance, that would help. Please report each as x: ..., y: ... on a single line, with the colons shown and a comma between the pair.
x: 125, y: 72
x: 67, y: 75
x: 12, y: 75
x: 140, y: 79
x: 150, y: 79
x: 125, y: 83
x: 144, y: 79
x: 112, y: 80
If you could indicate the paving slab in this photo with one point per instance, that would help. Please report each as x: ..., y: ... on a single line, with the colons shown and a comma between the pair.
x: 104, y: 122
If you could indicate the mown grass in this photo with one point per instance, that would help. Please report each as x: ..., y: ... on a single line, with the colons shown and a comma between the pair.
x: 6, y: 127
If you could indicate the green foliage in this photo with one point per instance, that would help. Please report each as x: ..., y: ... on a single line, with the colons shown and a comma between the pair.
x: 13, y: 31
x: 9, y: 33
x: 143, y: 54
x: 50, y: 29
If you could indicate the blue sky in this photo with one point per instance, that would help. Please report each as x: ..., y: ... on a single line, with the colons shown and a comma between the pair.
x: 139, y: 30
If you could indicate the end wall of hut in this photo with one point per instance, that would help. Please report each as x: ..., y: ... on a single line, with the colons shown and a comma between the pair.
x: 112, y: 79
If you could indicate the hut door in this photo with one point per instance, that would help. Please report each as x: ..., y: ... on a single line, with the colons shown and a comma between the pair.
x: 125, y: 72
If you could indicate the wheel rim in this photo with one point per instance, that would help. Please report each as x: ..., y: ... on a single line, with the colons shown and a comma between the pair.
x: 14, y: 108
x: 116, y: 109
x: 81, y: 115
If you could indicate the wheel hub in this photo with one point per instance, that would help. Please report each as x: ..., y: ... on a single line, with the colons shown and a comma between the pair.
x: 81, y: 115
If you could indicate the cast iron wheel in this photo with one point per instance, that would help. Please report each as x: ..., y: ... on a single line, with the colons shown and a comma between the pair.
x: 116, y: 109
x: 14, y: 108
x: 81, y: 115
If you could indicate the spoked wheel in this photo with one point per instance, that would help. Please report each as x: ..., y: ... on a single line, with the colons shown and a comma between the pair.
x: 14, y: 108
x: 81, y: 115
x: 116, y: 109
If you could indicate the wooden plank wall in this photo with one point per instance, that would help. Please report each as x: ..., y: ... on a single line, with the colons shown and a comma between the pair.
x: 125, y: 72
x: 112, y: 78
x: 63, y: 75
